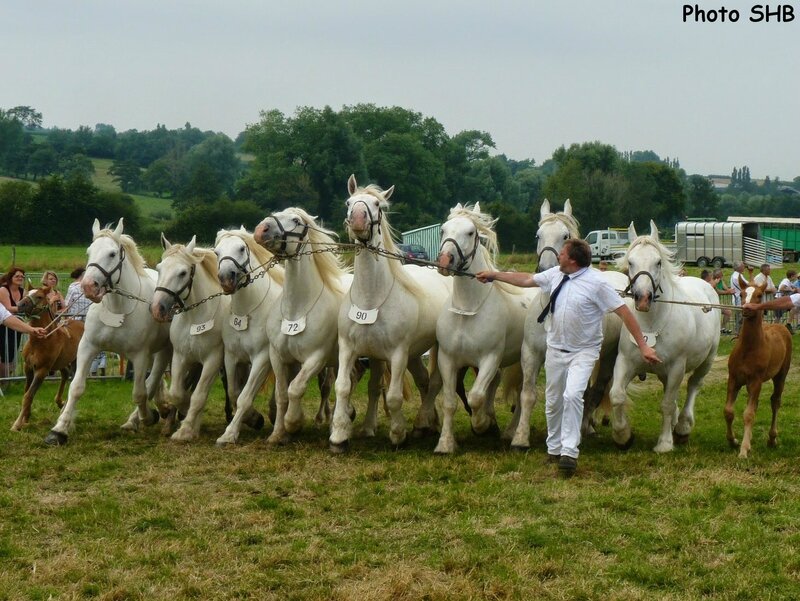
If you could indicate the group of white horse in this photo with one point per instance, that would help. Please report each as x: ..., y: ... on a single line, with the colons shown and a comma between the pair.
x: 235, y: 306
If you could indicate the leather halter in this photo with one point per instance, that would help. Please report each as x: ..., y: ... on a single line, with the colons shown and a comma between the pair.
x: 463, y: 260
x: 286, y: 234
x: 632, y: 281
x: 243, y: 268
x: 187, y: 287
x: 108, y: 284
x: 372, y: 221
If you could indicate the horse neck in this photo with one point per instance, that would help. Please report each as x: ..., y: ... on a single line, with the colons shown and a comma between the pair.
x: 302, y: 281
x: 248, y: 297
x: 203, y: 286
x: 42, y: 320
x: 129, y: 282
x: 469, y: 290
x: 372, y: 278
x: 658, y: 315
x: 751, y: 334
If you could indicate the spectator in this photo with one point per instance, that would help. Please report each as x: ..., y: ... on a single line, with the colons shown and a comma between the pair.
x: 12, y: 287
x: 786, y: 288
x: 763, y: 276
x: 602, y: 266
x: 55, y: 298
x: 75, y: 300
x: 738, y: 270
x: 718, y: 281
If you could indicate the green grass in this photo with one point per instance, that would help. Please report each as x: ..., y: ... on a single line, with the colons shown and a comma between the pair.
x: 135, y: 516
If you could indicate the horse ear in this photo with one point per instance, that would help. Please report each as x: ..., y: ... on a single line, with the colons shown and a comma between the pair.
x: 568, y: 208
x: 387, y: 194
x: 632, y: 232
x: 477, y: 207
x: 653, y: 230
x: 352, y: 184
x: 165, y: 244
x: 458, y: 207
x: 742, y: 283
x: 118, y: 230
x: 192, y: 244
x: 95, y: 227
x: 545, y: 210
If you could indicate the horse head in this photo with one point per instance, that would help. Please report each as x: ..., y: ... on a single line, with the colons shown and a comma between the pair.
x: 34, y: 302
x: 462, y: 234
x: 285, y: 232
x: 554, y: 230
x: 365, y: 208
x: 751, y: 293
x: 175, y: 278
x: 648, y: 266
x: 106, y: 256
x: 233, y: 259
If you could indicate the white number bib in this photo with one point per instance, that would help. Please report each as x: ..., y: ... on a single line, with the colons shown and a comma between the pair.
x: 239, y: 322
x: 199, y: 328
x: 293, y: 328
x: 649, y: 338
x: 113, y: 320
x: 362, y: 316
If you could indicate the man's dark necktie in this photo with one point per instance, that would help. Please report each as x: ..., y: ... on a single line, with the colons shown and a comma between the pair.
x: 551, y: 306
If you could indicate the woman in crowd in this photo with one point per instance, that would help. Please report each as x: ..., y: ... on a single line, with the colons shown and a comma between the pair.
x: 55, y: 298
x: 12, y: 287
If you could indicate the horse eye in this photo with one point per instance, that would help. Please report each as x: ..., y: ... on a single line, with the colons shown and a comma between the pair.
x: 182, y: 273
x: 566, y: 236
x: 241, y: 249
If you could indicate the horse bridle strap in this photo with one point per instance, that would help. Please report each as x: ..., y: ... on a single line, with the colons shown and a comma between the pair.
x: 372, y: 221
x: 632, y: 281
x: 244, y: 268
x: 108, y: 283
x: 187, y: 287
x: 286, y: 234
x: 463, y: 260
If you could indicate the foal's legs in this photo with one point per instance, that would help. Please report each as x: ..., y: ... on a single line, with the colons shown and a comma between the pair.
x: 37, y: 378
x: 66, y: 420
x: 733, y: 391
x: 778, y: 383
x: 753, y: 391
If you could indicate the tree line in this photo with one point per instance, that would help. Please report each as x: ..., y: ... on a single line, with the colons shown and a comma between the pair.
x: 304, y: 160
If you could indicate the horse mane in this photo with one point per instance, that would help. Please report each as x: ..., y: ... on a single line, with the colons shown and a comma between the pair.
x: 330, y: 265
x: 204, y: 257
x: 259, y: 253
x: 669, y: 266
x: 488, y: 248
x: 131, y: 250
x: 388, y: 235
x: 569, y: 222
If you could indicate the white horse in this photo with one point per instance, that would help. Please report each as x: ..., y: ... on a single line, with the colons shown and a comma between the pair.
x: 555, y: 229
x: 187, y: 275
x: 481, y: 326
x: 118, y: 324
x: 685, y: 337
x: 390, y: 315
x: 302, y: 329
x: 253, y: 298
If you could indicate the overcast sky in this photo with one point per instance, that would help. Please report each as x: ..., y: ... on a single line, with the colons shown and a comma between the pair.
x: 535, y: 74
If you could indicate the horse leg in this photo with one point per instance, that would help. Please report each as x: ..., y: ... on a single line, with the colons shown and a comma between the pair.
x: 531, y: 362
x: 27, y: 399
x: 190, y: 427
x: 447, y: 441
x: 143, y: 415
x: 59, y: 400
x: 176, y: 394
x: 669, y: 407
x: 394, y: 397
x: 244, y: 401
x: 377, y: 370
x: 59, y: 433
x: 325, y: 380
x: 778, y: 383
x: 426, y: 423
x: 282, y: 374
x: 693, y: 385
x: 342, y: 423
x: 155, y: 381
x: 621, y: 431
x: 733, y: 392
x: 313, y: 364
x: 487, y: 380
x: 753, y: 392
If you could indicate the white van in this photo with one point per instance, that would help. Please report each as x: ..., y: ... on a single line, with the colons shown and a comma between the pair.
x: 607, y: 244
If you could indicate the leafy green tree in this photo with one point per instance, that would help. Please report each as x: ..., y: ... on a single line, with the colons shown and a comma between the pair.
x: 202, y: 187
x: 161, y: 177
x: 702, y: 200
x: 29, y: 117
x: 205, y: 220
x: 76, y: 164
x: 127, y: 174
x: 43, y: 161
x: 15, y: 200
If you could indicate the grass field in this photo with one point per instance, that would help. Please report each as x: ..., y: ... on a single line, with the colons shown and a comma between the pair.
x: 135, y: 516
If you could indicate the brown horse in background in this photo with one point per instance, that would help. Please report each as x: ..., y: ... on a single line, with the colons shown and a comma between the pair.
x: 56, y: 352
x: 762, y: 352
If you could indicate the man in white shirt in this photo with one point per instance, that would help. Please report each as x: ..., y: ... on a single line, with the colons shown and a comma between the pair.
x: 579, y: 297
x: 763, y: 276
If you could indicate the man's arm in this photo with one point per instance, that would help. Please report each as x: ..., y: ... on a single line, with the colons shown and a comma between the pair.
x: 648, y: 353
x: 517, y: 278
x: 782, y: 302
x: 15, y: 323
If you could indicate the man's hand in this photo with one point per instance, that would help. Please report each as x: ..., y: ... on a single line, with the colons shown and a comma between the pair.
x: 485, y: 277
x: 39, y: 332
x: 649, y: 354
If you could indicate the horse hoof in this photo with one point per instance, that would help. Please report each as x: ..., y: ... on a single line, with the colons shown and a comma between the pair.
x: 627, y: 444
x: 425, y: 432
x: 55, y: 439
x: 518, y: 448
x: 257, y: 424
x: 680, y: 438
x: 273, y: 414
x: 493, y: 429
x: 339, y: 448
x: 224, y: 444
x: 154, y: 417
